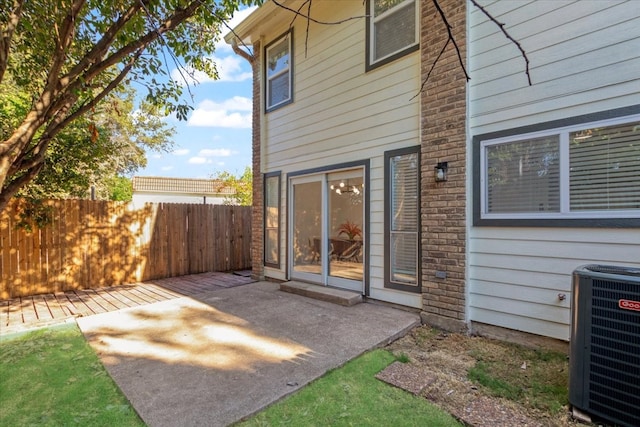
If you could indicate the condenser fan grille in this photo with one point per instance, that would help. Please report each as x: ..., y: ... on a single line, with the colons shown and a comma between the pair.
x: 614, y: 359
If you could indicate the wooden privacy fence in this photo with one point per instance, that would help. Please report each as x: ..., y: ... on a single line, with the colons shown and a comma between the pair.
x: 94, y: 244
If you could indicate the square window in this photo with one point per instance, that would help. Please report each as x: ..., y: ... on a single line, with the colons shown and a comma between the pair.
x: 523, y: 176
x: 604, y: 168
x: 392, y: 30
x: 278, y: 72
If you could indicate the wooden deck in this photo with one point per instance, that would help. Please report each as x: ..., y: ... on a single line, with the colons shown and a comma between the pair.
x: 26, y: 313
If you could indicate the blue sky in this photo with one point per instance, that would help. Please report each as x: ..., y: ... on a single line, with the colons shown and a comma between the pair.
x: 217, y: 135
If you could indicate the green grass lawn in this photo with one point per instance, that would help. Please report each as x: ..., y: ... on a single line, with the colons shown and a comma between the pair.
x: 52, y: 377
x: 351, y: 396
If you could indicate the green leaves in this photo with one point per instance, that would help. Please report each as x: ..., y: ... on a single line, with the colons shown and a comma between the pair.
x: 67, y: 58
x: 242, y: 186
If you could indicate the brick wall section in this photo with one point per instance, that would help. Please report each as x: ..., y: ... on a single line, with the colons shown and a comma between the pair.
x: 443, y: 139
x: 257, y: 230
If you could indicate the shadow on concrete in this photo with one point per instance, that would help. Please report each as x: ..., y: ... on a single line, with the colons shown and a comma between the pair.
x: 228, y: 354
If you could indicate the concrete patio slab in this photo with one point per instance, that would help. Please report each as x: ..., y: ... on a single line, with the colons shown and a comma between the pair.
x: 229, y: 353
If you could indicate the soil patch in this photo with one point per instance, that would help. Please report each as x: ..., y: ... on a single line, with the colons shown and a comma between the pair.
x: 450, y: 369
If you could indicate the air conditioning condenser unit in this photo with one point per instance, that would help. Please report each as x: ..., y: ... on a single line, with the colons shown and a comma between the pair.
x: 604, y: 368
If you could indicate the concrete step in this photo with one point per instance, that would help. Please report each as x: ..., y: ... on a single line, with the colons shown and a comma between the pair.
x: 323, y: 293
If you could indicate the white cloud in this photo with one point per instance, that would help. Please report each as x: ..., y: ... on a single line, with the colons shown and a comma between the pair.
x: 229, y: 70
x: 198, y: 161
x: 231, y: 113
x: 180, y: 152
x: 228, y: 64
x: 166, y: 168
x: 215, y: 152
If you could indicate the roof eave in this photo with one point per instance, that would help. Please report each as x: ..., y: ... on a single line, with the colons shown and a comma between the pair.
x: 250, y: 28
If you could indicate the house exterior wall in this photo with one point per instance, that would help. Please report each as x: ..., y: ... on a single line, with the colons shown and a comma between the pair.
x: 257, y: 225
x: 443, y: 136
x: 585, y: 59
x: 341, y: 114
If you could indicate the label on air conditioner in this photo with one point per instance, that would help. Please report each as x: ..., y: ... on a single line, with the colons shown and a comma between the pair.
x: 626, y: 304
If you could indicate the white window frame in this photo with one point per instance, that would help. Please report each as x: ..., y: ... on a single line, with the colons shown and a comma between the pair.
x: 388, y: 232
x: 371, y: 22
x: 289, y: 69
x: 564, y: 162
x: 276, y: 176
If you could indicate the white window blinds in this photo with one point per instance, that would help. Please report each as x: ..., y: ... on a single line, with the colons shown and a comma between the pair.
x: 404, y: 212
x: 394, y: 27
x: 583, y: 171
x: 271, y: 219
x: 605, y: 168
x: 523, y: 176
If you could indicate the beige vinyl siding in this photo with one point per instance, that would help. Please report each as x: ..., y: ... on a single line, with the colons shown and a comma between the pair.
x: 585, y: 58
x: 341, y: 114
x: 517, y: 274
x: 579, y: 64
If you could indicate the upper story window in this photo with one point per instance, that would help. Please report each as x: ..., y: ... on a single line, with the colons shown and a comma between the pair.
x: 392, y: 30
x: 589, y: 171
x: 278, y: 72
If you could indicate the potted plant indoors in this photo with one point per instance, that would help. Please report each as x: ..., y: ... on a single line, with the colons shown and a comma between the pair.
x: 352, y: 230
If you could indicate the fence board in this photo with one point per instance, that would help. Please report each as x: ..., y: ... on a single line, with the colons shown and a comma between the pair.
x: 93, y: 244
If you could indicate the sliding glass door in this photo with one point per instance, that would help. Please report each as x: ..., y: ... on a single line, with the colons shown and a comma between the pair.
x: 306, y: 231
x: 327, y: 229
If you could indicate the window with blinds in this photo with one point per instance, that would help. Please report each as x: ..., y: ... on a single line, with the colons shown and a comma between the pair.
x: 604, y: 168
x: 393, y: 29
x: 586, y: 171
x: 523, y: 176
x: 402, y: 219
x: 278, y: 72
x: 272, y: 219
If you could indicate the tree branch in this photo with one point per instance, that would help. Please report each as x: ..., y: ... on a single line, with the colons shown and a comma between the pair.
x: 295, y: 16
x: 100, y: 48
x: 96, y: 100
x: 298, y: 13
x: 53, y: 96
x: 433, y: 65
x: 81, y: 81
x: 64, y: 40
x: 179, y: 66
x: 450, y: 39
x: 169, y: 24
x: 30, y: 158
x: 306, y: 39
x: 508, y: 36
x: 7, y: 34
x: 14, y: 186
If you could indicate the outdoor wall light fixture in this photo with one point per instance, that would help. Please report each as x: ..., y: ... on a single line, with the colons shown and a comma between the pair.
x: 441, y: 171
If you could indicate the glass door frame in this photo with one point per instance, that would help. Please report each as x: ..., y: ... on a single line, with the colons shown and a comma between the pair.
x: 299, y: 275
x: 321, y: 175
